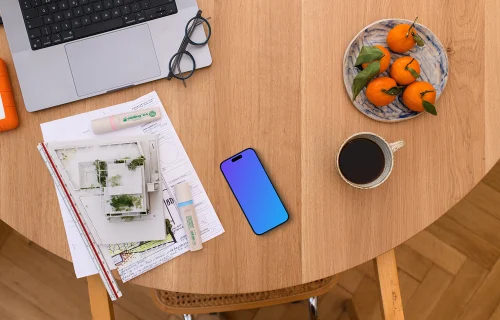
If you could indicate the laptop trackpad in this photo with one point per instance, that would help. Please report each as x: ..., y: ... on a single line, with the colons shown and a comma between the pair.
x: 113, y: 60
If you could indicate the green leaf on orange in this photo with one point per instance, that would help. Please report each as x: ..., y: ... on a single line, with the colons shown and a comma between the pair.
x: 368, y: 54
x: 429, y: 107
x: 363, y: 77
x: 394, y: 91
x: 414, y: 73
x: 418, y: 39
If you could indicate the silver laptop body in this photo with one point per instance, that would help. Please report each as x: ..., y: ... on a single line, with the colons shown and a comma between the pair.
x: 94, y: 65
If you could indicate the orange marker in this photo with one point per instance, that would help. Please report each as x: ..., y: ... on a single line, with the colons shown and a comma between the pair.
x: 8, y: 112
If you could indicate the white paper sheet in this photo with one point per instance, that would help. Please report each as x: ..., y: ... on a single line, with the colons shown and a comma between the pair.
x: 137, y: 258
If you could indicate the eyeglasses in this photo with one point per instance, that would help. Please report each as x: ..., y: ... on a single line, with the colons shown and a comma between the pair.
x: 182, y: 64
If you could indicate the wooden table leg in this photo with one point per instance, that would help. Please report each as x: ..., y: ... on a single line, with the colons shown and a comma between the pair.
x: 387, y: 273
x: 100, y: 303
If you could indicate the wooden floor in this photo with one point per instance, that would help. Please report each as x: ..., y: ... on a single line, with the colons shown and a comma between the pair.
x: 449, y: 271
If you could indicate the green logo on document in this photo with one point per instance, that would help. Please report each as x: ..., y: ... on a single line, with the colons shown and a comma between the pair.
x: 152, y: 114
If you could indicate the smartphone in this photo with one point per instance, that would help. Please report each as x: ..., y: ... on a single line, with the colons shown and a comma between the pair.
x: 254, y: 191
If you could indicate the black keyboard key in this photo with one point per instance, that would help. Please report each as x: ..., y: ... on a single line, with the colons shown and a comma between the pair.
x: 67, y: 35
x: 25, y: 4
x: 78, y: 12
x: 161, y: 14
x: 118, y: 3
x: 46, y: 41
x: 36, y: 44
x: 151, y: 14
x: 94, y: 0
x: 108, y: 4
x: 53, y: 7
x: 66, y: 25
x: 35, y: 33
x: 96, y: 17
x: 63, y: 5
x: 73, y: 3
x: 157, y: 3
x: 56, y: 38
x: 83, y: 2
x: 145, y: 4
x: 77, y: 23
x: 34, y: 23
x: 140, y: 16
x: 106, y: 15
x: 56, y: 28
x: 88, y: 9
x: 116, y: 13
x: 36, y: 3
x: 46, y: 1
x: 58, y: 16
x: 126, y: 10
x: 48, y: 19
x: 30, y: 14
x: 130, y: 19
x: 43, y: 10
x: 171, y: 9
x: 68, y: 14
x: 128, y: 1
x: 161, y: 8
x: 98, y: 28
x: 98, y: 6
x: 136, y: 7
x: 45, y: 30
x: 86, y: 20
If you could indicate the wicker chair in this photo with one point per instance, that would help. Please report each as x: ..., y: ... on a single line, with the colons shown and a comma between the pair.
x: 188, y: 304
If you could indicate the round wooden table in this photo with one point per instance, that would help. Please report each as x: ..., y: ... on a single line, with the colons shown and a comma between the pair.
x: 276, y: 85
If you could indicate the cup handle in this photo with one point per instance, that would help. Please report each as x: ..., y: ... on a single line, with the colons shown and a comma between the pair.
x: 396, y: 145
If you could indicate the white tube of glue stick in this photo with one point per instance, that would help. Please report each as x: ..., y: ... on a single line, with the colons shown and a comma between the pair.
x: 125, y: 120
x: 188, y: 215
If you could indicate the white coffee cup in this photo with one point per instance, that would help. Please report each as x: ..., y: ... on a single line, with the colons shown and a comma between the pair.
x: 388, y: 150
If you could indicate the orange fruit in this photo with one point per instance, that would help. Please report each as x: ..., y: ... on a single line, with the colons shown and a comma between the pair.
x: 401, y: 73
x: 397, y: 39
x: 416, y: 93
x: 384, y: 62
x: 375, y: 91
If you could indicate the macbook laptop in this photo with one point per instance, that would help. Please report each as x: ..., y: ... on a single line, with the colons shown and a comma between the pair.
x: 67, y: 50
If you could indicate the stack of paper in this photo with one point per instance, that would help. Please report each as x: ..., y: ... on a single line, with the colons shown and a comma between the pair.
x: 133, y: 259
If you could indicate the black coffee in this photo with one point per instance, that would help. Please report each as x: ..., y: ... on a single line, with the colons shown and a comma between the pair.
x: 361, y: 161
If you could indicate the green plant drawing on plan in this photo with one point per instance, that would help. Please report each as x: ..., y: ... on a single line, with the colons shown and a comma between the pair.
x: 101, y: 168
x: 126, y: 202
x: 136, y: 162
x: 115, y: 180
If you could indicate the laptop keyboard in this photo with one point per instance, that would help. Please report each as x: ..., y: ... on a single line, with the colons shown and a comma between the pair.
x: 52, y: 22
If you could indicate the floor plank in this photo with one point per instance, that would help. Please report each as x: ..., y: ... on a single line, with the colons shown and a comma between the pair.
x: 437, y: 251
x: 296, y: 311
x: 351, y: 279
x: 412, y: 262
x: 496, y: 314
x: 274, y: 312
x: 15, y: 306
x: 331, y: 305
x: 486, y: 198
x: 467, y: 242
x: 486, y: 299
x: 427, y: 294
x: 460, y: 291
x: 476, y: 220
x: 366, y: 298
x: 46, y: 297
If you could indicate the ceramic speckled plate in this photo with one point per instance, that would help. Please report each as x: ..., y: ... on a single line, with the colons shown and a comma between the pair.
x: 433, y: 67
